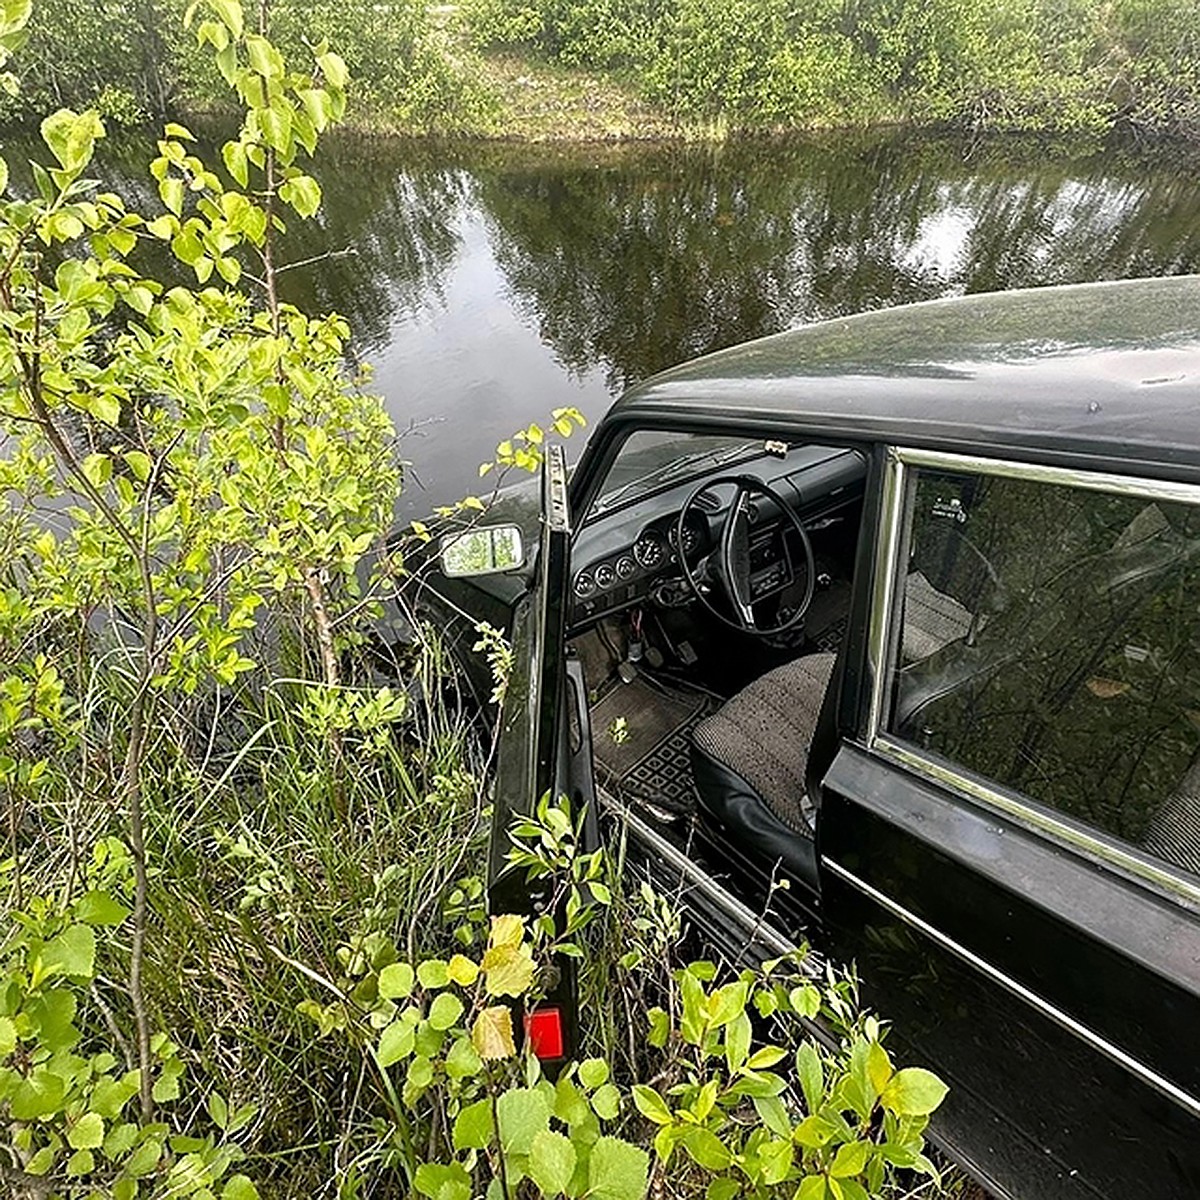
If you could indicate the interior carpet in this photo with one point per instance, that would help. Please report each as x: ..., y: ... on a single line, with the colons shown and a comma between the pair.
x: 648, y: 758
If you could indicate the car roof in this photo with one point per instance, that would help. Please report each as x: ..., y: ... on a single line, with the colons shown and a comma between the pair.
x: 1107, y: 371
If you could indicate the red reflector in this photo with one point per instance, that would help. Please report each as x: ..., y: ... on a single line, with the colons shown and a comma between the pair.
x: 544, y: 1032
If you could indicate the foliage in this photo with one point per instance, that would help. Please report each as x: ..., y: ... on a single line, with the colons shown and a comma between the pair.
x: 133, y: 60
x: 1028, y: 64
x: 471, y: 1110
x: 66, y: 1099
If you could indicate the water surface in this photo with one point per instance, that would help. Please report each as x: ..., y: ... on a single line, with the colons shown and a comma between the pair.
x: 489, y: 284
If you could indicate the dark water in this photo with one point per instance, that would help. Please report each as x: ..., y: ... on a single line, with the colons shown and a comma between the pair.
x: 489, y: 284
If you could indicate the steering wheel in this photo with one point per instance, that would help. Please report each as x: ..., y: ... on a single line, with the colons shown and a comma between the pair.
x: 729, y: 564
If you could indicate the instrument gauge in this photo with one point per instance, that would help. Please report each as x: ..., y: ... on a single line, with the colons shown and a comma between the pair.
x: 690, y: 539
x: 626, y: 567
x: 650, y: 551
x: 605, y: 576
x: 585, y: 585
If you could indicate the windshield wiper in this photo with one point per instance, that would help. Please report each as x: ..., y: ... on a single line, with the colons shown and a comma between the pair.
x: 677, y: 468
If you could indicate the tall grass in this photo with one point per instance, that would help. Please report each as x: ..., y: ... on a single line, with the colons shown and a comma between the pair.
x: 271, y: 866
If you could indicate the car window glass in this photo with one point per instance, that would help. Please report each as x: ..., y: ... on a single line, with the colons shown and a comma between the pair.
x: 654, y: 458
x: 1049, y: 641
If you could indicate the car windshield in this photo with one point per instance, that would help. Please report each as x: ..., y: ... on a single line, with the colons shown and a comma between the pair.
x: 651, y: 459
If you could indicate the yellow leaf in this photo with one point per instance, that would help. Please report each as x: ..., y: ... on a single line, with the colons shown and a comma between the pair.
x: 508, y: 970
x: 507, y: 930
x: 492, y: 1033
x: 462, y: 970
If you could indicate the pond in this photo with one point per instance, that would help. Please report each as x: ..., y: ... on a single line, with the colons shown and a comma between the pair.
x: 488, y: 284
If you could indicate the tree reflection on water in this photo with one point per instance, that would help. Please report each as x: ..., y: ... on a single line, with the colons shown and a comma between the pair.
x: 608, y: 263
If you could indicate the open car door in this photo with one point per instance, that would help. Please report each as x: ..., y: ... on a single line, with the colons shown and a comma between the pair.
x: 544, y: 747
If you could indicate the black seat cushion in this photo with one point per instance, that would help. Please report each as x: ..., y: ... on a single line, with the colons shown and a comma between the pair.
x: 763, y: 734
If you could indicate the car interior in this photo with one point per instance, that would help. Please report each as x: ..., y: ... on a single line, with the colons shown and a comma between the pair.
x: 709, y: 593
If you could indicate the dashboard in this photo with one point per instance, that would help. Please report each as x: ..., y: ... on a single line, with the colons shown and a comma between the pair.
x: 632, y: 556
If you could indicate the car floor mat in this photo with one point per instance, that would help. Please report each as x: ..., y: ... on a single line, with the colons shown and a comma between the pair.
x: 641, y: 734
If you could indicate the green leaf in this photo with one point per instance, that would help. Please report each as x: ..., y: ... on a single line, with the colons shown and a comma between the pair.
x: 551, y: 1162
x: 617, y: 1170
x: 443, y: 1182
x: 71, y: 137
x: 171, y: 190
x: 166, y: 1086
x: 303, y: 193
x: 218, y: 1109
x: 879, y: 1067
x: 8, y: 1037
x: 570, y: 1104
x: 765, y: 1058
x: 163, y: 227
x: 277, y: 129
x: 334, y: 69
x: 111, y: 1095
x: 230, y: 14
x: 317, y: 106
x: 239, y: 1187
x: 775, y: 1160
x: 651, y: 1105
x: 40, y: 1094
x: 432, y: 973
x: 607, y: 1102
x: 140, y: 463
x: 82, y: 1162
x: 660, y: 1027
x: 773, y: 1114
x: 144, y: 1160
x: 87, y: 1133
x: 121, y: 1138
x: 73, y: 952
x: 96, y: 907
x: 811, y: 1074
x: 396, y: 981
x: 913, y: 1092
x: 851, y: 1159
x: 811, y: 1188
x: 3, y: 175
x: 473, y: 1127
x: 236, y: 162
x: 722, y: 1189
x: 463, y: 1061
x: 737, y: 1041
x: 396, y: 1042
x: 521, y: 1113
x: 264, y: 58
x: 41, y: 1162
x: 593, y: 1072
x: 707, y: 1149
x: 140, y: 299
x: 445, y: 1010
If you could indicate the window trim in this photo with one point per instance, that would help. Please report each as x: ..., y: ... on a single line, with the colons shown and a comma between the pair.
x: 1093, y: 843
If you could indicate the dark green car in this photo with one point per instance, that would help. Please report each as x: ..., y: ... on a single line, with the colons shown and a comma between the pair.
x: 907, y: 608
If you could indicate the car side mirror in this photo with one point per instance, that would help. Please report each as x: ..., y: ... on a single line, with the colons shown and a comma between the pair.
x: 485, y: 551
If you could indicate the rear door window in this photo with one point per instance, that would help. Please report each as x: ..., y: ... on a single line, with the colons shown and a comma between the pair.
x: 1047, y: 641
